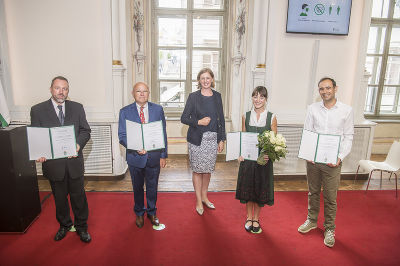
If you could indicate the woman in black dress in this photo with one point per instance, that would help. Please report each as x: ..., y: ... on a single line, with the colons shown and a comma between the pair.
x: 255, y: 185
x: 206, y: 135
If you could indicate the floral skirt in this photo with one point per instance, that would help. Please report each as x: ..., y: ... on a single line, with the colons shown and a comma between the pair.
x: 202, y: 158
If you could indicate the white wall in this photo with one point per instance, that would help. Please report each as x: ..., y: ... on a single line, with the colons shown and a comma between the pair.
x: 47, y: 38
x: 292, y: 75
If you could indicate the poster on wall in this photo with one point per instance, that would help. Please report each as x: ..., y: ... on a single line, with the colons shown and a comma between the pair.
x: 319, y: 16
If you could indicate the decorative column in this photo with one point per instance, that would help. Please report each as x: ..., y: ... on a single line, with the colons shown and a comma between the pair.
x: 118, y: 68
x: 257, y: 65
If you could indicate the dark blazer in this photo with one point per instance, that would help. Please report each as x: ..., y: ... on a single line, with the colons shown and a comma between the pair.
x: 193, y: 112
x: 151, y: 158
x: 44, y: 115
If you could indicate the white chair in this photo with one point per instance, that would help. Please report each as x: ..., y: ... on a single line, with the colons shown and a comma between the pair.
x: 390, y: 165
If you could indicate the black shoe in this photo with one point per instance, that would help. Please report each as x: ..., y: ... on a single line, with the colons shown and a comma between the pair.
x: 256, y: 229
x: 84, y: 236
x: 139, y: 221
x: 61, y: 233
x: 248, y: 228
x: 154, y: 220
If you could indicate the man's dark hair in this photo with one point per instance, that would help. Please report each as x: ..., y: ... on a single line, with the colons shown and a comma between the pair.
x: 260, y: 90
x: 328, y: 78
x: 58, y: 77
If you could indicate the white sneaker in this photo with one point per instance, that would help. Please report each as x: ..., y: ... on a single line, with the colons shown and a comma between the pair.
x: 307, y: 227
x: 329, y: 239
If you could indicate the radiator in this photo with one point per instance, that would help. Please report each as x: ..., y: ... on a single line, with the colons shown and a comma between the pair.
x: 293, y: 165
x: 97, y: 152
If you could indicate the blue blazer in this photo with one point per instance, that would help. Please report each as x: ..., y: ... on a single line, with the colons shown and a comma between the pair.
x: 151, y: 158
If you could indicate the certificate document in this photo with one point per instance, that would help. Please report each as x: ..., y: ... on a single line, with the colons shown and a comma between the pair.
x: 147, y: 137
x: 51, y: 143
x: 241, y: 144
x: 320, y: 148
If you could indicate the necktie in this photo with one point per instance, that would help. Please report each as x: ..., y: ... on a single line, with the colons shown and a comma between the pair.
x: 142, y: 115
x: 60, y: 115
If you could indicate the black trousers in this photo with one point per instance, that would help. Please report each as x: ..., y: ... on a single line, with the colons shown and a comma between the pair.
x: 76, y: 191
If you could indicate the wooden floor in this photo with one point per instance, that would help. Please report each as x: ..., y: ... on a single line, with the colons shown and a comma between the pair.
x: 177, y: 177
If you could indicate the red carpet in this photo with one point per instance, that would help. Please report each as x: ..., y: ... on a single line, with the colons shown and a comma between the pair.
x: 367, y: 233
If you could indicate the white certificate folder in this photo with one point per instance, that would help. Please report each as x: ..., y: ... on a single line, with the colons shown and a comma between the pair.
x: 147, y: 137
x: 242, y: 144
x: 51, y: 143
x: 320, y: 148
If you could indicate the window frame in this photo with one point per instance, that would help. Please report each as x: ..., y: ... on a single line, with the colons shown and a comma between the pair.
x: 190, y: 12
x: 389, y: 23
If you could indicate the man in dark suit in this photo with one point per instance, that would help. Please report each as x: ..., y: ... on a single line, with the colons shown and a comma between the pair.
x: 143, y: 166
x: 65, y: 174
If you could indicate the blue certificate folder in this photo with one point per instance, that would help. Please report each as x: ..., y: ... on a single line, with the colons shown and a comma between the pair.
x: 320, y: 148
x: 51, y: 143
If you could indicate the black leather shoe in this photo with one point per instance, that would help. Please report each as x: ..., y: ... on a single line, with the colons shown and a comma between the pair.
x: 248, y: 228
x: 84, y: 236
x: 256, y: 229
x: 154, y: 220
x: 139, y: 221
x: 61, y: 233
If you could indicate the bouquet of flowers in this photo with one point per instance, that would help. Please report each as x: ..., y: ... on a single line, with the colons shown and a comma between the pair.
x: 271, y: 144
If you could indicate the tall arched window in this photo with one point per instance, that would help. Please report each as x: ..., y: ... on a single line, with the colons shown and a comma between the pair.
x: 187, y: 35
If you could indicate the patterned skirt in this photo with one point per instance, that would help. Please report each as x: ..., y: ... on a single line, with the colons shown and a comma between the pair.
x: 202, y: 158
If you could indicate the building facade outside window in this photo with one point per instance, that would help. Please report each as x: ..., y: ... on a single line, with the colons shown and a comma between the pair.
x: 187, y: 36
x: 383, y: 61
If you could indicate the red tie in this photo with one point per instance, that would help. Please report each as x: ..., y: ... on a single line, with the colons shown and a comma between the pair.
x: 142, y: 115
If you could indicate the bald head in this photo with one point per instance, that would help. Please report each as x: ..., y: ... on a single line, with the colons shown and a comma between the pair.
x: 141, y: 93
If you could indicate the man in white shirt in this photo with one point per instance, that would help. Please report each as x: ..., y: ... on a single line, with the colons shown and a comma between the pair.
x: 327, y: 117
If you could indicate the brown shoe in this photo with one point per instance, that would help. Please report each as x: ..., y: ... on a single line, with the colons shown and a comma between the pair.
x: 154, y: 220
x: 139, y: 221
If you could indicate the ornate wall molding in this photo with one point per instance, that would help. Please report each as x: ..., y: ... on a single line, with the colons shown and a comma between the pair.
x: 138, y: 29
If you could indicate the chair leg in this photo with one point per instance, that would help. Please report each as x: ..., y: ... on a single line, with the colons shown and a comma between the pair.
x: 369, y: 179
x: 390, y: 175
x: 396, y: 183
x: 355, y: 177
x: 380, y: 184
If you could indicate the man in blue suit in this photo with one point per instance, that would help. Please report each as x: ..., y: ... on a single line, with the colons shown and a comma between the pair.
x: 143, y: 166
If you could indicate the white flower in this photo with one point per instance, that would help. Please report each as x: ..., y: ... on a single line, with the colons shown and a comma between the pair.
x: 278, y: 148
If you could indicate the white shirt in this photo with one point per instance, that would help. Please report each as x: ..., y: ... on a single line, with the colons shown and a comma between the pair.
x: 337, y: 121
x: 261, y: 121
x: 55, y: 104
x: 145, y: 112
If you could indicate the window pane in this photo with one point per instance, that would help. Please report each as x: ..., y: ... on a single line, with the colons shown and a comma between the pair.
x: 172, y: 3
x: 380, y: 8
x: 172, y: 94
x: 392, y: 76
x: 171, y: 64
x: 397, y: 9
x: 371, y: 99
x: 208, y: 4
x: 171, y: 31
x: 376, y: 39
x: 388, y: 99
x: 202, y: 59
x: 373, y: 66
x: 394, y: 47
x: 206, y: 32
